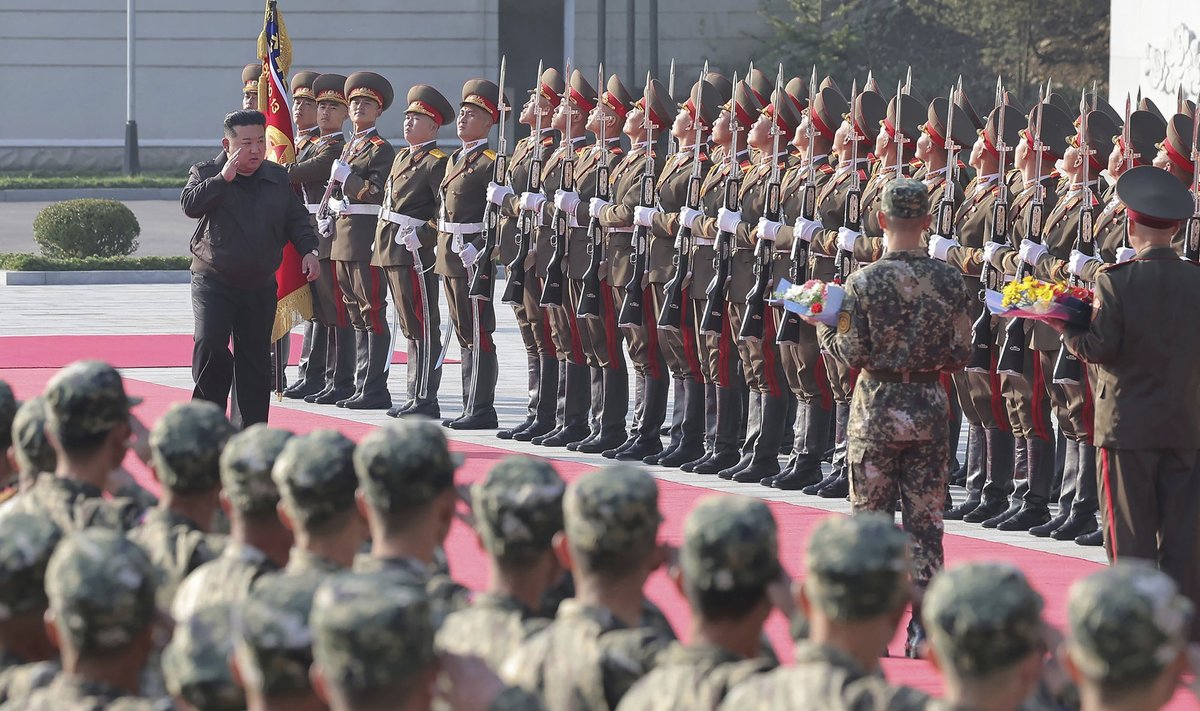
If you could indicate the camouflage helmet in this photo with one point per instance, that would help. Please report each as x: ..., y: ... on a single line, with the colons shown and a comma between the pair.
x: 85, y: 399
x: 272, y: 636
x: 315, y: 476
x: 34, y: 451
x: 611, y: 510
x: 404, y: 464
x: 195, y: 663
x: 857, y: 566
x: 8, y: 410
x: 983, y: 617
x: 186, y: 444
x: 101, y: 589
x: 246, y: 468
x: 370, y: 632
x: 730, y: 543
x: 518, y: 506
x: 905, y: 199
x: 26, y: 543
x: 1127, y: 623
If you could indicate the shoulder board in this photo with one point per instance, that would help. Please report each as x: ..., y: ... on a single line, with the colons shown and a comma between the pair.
x: 548, y: 141
x: 1108, y: 267
x: 916, y: 163
x: 378, y: 140
x: 580, y: 150
x: 862, y: 174
x: 489, y: 153
x: 825, y: 168
x: 745, y: 163
x: 437, y: 153
x: 703, y: 156
x: 616, y: 151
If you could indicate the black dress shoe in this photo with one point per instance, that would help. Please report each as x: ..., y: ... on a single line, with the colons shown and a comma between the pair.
x: 381, y: 401
x: 957, y: 513
x: 755, y: 473
x: 1093, y: 539
x: 508, y: 433
x: 566, y: 436
x: 986, y: 510
x: 1074, y: 527
x: 303, y: 389
x: 1014, y: 507
x: 796, y: 480
x: 538, y: 439
x: 537, y: 429
x: 574, y: 446
x: 330, y: 396
x: 600, y: 444
x: 639, y: 451
x: 812, y: 489
x: 427, y: 409
x: 1025, y: 519
x: 1048, y: 527
x: 395, y: 412
x: 691, y: 466
x: 742, y: 463
x: 654, y: 459
x: 351, y: 398
x: 839, y: 488
x: 612, y: 453
x: 915, y: 640
x: 679, y: 456
x: 717, y: 463
x: 486, y: 421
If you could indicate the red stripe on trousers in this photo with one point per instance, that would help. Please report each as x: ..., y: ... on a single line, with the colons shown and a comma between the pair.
x: 1089, y: 408
x: 823, y: 386
x: 486, y: 344
x: 339, y: 301
x: 690, y: 346
x: 1039, y: 388
x: 1108, y: 497
x: 999, y: 411
x: 723, y: 344
x: 650, y: 326
x: 576, y: 341
x: 377, y: 304
x: 948, y: 386
x: 770, y: 353
x: 416, y: 292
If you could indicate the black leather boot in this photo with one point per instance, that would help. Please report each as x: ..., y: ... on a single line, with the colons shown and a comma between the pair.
x: 612, y: 415
x: 753, y: 430
x: 675, y: 430
x: 313, y: 364
x: 1005, y: 457
x: 547, y: 401
x: 812, y: 431
x: 1082, y: 517
x: 577, y: 405
x: 691, y: 440
x: 1035, y: 506
x: 976, y: 467
x: 764, y: 462
x: 375, y: 394
x: 710, y: 428
x: 534, y: 377
x: 725, y: 442
x: 1070, y: 460
x: 362, y: 361
x: 1093, y: 539
x: 480, y: 412
x: 654, y: 411
x: 339, y: 375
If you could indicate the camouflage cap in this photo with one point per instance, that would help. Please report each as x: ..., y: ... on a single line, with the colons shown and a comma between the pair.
x: 404, y: 464
x: 906, y: 199
x: 370, y: 632
x: 983, y: 617
x: 26, y: 543
x: 857, y: 566
x: 1126, y: 623
x: 730, y: 542
x: 612, y: 509
x: 8, y: 410
x: 272, y: 636
x: 315, y: 476
x: 101, y: 589
x: 195, y: 664
x: 86, y: 398
x: 186, y: 444
x: 518, y: 506
x: 246, y: 468
x: 30, y: 444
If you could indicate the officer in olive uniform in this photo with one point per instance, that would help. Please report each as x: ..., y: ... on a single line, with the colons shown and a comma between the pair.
x: 250, y: 74
x: 616, y: 216
x: 404, y: 242
x: 531, y: 318
x: 360, y: 174
x: 320, y: 368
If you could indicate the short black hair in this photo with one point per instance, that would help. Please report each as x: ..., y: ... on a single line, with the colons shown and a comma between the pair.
x: 234, y: 119
x: 731, y: 604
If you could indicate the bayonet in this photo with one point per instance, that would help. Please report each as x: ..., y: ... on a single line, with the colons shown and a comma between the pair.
x: 908, y: 81
x: 1192, y: 231
x: 514, y: 290
x: 898, y: 132
x: 482, y: 282
x: 717, y: 293
x: 632, y: 311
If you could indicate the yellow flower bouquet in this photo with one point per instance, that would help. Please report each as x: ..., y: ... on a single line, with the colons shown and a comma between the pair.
x: 1042, y: 301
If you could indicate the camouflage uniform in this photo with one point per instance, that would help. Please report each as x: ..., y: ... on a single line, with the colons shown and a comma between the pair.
x: 729, y: 544
x: 518, y: 509
x: 246, y: 477
x: 315, y: 477
x: 26, y: 543
x: 272, y: 638
x: 29, y: 442
x: 401, y: 466
x: 587, y: 658
x: 185, y: 445
x: 904, y: 320
x: 196, y: 662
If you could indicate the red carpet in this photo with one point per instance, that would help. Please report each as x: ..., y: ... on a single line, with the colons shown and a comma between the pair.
x: 132, y: 351
x: 1050, y: 574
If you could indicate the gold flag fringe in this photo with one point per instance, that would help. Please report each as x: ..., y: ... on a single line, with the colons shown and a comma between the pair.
x: 291, y: 311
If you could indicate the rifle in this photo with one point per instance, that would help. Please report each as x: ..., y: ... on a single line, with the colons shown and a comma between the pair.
x: 852, y: 215
x: 754, y: 322
x: 514, y: 291
x: 1128, y: 157
x: 552, y: 290
x: 1192, y: 238
x: 1067, y: 368
x: 481, y: 285
x: 789, y: 327
x: 631, y: 307
x: 944, y: 224
x: 323, y: 212
x: 717, y: 293
x: 674, y: 291
x: 990, y: 278
x: 1012, y: 355
x: 589, y: 300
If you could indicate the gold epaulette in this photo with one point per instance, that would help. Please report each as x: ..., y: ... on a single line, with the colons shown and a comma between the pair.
x: 437, y: 153
x: 378, y: 140
x: 489, y: 153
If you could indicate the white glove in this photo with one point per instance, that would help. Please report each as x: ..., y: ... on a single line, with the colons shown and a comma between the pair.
x: 1031, y: 252
x: 846, y: 238
x: 727, y: 221
x: 767, y: 229
x: 687, y: 216
x: 496, y: 193
x: 325, y: 226
x: 807, y: 229
x: 596, y: 206
x: 1124, y: 254
x: 644, y: 216
x: 532, y: 201
x: 1077, y: 261
x: 566, y: 201
x: 410, y: 240
x: 990, y: 249
x: 340, y: 171
x: 469, y: 254
x: 939, y: 246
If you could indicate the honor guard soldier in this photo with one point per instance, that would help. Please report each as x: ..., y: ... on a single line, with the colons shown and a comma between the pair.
x: 802, y: 361
x: 529, y: 153
x: 250, y: 74
x: 404, y: 242
x: 1175, y: 152
x: 650, y: 409
x: 360, y: 175
x: 460, y: 237
x: 320, y: 368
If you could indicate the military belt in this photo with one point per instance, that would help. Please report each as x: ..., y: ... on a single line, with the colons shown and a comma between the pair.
x: 460, y: 228
x: 357, y: 209
x: 902, y: 376
x: 397, y: 218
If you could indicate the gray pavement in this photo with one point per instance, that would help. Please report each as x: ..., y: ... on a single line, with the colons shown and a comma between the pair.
x: 146, y: 309
x: 166, y: 231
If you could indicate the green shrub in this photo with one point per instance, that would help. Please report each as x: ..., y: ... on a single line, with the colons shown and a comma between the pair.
x: 86, y: 228
x: 22, y: 262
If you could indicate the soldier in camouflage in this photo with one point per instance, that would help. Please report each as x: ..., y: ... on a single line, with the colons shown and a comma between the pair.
x: 518, y: 511
x: 8, y: 410
x: 406, y: 482
x: 599, y: 643
x: 100, y: 587
x: 728, y: 563
x: 258, y: 542
x: 904, y: 321
x: 31, y: 448
x: 196, y: 662
x: 185, y: 446
x: 273, y: 647
x: 1127, y: 638
x: 28, y: 659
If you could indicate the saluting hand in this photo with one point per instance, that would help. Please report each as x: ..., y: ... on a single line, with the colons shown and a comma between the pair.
x: 230, y: 169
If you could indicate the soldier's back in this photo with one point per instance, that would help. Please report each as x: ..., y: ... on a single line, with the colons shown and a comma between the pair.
x: 445, y: 595
x: 74, y: 506
x: 227, y: 578
x: 818, y: 679
x: 491, y: 628
x: 176, y: 547
x: 691, y: 678
x: 71, y: 693
x: 19, y: 681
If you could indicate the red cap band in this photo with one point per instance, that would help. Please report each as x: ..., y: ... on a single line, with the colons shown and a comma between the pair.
x: 820, y: 125
x: 938, y: 139
x: 1178, y: 158
x: 1154, y: 223
x: 611, y: 102
x: 584, y: 103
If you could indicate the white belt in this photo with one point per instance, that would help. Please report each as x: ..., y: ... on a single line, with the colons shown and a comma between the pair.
x: 341, y: 207
x: 619, y: 230
x: 398, y: 218
x: 313, y: 208
x: 460, y: 228
x: 701, y: 242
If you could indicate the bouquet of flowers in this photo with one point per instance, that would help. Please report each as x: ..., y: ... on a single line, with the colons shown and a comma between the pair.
x: 1042, y: 301
x: 815, y: 299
